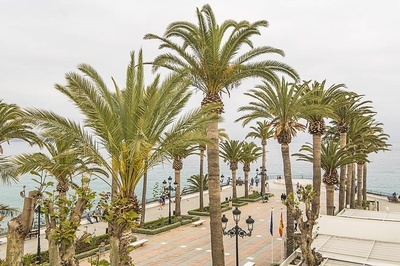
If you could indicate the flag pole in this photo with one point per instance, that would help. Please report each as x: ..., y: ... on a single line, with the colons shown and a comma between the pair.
x: 271, y: 230
x: 283, y: 237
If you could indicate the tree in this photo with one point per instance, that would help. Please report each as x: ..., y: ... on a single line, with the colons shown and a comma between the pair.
x: 66, y: 159
x: 283, y: 105
x: 319, y: 102
x: 332, y: 158
x: 250, y: 153
x: 214, y: 59
x: 129, y: 124
x: 194, y: 184
x: 231, y: 151
x: 351, y: 107
x: 177, y: 154
x: 306, y: 221
x: 264, y: 132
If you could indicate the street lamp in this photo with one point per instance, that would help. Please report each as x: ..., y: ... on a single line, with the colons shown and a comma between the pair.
x: 236, y: 230
x: 263, y: 174
x: 38, y: 254
x: 169, y: 188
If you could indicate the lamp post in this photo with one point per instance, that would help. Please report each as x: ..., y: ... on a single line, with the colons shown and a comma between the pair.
x: 169, y: 188
x: 236, y: 230
x: 38, y: 254
x: 263, y: 174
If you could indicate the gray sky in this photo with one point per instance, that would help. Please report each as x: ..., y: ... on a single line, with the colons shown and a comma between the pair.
x: 352, y: 42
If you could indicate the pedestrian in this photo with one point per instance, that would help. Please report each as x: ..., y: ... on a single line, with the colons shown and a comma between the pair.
x: 160, y: 203
x: 252, y: 181
x: 257, y: 181
x: 88, y: 217
x: 295, y: 225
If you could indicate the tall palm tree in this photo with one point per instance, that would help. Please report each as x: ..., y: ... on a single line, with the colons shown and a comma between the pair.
x: 332, y: 158
x: 377, y: 141
x: 214, y: 58
x: 250, y: 153
x: 13, y: 125
x: 264, y: 132
x: 320, y: 102
x: 179, y: 152
x: 283, y: 105
x: 351, y: 106
x: 129, y: 124
x: 222, y: 135
x: 230, y: 152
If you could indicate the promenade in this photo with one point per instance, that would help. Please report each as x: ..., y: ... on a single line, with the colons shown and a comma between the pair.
x: 190, y: 245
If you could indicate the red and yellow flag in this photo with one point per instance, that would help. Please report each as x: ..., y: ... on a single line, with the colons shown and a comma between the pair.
x: 281, y: 226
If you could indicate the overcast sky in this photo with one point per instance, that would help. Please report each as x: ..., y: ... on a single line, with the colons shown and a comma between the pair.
x: 352, y: 42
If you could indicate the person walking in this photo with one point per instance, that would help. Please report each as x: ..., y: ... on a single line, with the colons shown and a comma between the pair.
x: 160, y: 202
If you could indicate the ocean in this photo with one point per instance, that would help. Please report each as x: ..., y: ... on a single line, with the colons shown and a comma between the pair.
x: 383, y: 172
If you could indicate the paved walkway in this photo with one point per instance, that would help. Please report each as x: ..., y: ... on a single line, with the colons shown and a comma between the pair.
x: 189, y: 245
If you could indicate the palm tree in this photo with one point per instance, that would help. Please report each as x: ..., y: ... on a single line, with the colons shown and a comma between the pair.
x: 320, y: 103
x: 13, y: 125
x: 65, y: 160
x: 129, y: 125
x: 351, y: 107
x: 284, y: 106
x: 332, y: 158
x: 231, y: 152
x: 222, y: 135
x: 264, y: 132
x: 6, y: 210
x: 214, y: 59
x: 250, y: 153
x: 194, y: 184
x: 177, y: 154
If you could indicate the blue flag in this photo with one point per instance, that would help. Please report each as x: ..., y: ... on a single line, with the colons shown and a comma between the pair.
x: 271, y: 225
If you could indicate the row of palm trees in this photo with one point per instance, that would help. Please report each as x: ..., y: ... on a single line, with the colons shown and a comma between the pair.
x: 128, y: 130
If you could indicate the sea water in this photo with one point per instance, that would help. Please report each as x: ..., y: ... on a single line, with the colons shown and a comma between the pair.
x: 383, y: 173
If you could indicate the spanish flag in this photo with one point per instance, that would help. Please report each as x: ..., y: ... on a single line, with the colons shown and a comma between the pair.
x: 281, y: 226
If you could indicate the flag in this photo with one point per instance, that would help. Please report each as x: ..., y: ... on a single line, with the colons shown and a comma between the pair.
x: 271, y: 224
x: 281, y: 226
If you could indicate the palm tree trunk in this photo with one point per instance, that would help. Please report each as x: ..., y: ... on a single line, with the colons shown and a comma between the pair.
x: 287, y: 172
x: 217, y: 244
x: 352, y: 186
x: 18, y: 229
x: 178, y: 193
x: 348, y: 185
x: 201, y: 182
x: 246, y: 184
x: 330, y: 199
x: 342, y: 179
x: 359, y: 184
x: 234, y: 189
x: 364, y: 181
x: 316, y: 175
x: 264, y: 169
x: 143, y: 205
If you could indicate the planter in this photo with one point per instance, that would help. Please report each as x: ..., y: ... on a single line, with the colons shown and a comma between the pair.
x: 224, y: 207
x: 186, y: 219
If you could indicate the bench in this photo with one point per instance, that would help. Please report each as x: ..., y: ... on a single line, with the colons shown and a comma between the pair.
x: 199, y: 222
x: 393, y: 199
x: 31, y: 233
x: 138, y: 243
x: 249, y: 263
